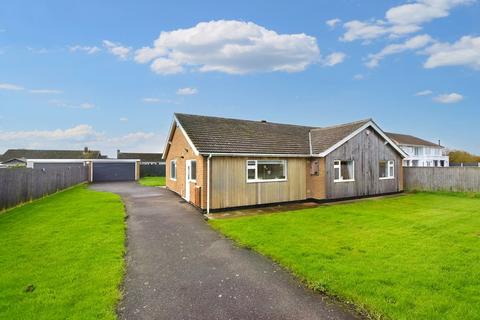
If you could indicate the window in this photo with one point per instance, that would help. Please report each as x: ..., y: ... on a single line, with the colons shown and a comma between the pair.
x: 266, y: 170
x: 344, y: 170
x: 173, y: 170
x: 417, y: 151
x: 193, y: 170
x: 387, y: 169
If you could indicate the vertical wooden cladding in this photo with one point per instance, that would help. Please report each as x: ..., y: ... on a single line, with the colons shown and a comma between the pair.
x: 229, y: 187
x: 367, y: 149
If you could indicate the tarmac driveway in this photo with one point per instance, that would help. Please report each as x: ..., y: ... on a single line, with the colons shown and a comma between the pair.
x: 180, y: 268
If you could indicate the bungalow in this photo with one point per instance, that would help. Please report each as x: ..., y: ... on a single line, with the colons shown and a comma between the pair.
x: 218, y: 163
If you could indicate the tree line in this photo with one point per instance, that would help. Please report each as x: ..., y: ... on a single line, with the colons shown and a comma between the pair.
x: 462, y: 156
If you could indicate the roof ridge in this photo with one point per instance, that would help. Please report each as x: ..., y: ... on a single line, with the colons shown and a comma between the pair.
x: 246, y: 120
x: 344, y: 124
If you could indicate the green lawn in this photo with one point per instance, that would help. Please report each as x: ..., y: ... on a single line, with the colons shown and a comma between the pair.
x: 62, y: 257
x: 410, y: 257
x: 152, y: 181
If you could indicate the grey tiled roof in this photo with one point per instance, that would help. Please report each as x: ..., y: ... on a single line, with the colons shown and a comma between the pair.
x: 222, y: 135
x: 406, y: 139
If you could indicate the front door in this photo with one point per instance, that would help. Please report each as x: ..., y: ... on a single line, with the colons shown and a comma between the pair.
x: 187, y: 179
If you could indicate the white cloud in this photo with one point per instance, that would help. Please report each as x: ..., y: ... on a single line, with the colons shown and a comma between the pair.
x: 45, y: 91
x: 86, y: 105
x: 233, y: 47
x: 423, y: 93
x: 117, y: 49
x: 464, y: 52
x: 63, y: 104
x: 38, y: 50
x: 187, y: 91
x: 79, y: 136
x: 332, y: 23
x: 334, y: 59
x: 166, y: 66
x: 416, y: 42
x: 448, y: 98
x: 363, y: 30
x: 9, y: 86
x: 400, y: 20
x: 421, y: 11
x: 79, y: 133
x: 123, y: 119
x: 14, y: 87
x: 86, y: 49
x: 358, y: 76
x: 159, y: 101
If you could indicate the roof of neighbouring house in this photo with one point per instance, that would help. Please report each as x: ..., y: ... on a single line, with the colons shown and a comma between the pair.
x: 15, y: 160
x: 49, y: 154
x: 144, y: 157
x: 405, y: 139
x: 233, y: 136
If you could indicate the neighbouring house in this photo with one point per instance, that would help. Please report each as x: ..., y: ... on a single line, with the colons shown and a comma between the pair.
x: 16, y: 157
x: 145, y: 158
x: 217, y: 163
x: 15, y: 162
x: 421, y: 153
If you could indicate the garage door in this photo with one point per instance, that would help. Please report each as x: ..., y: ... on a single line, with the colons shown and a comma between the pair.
x: 110, y: 171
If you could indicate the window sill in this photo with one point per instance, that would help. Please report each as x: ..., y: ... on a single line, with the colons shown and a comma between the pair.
x: 350, y: 180
x: 263, y: 181
x: 387, y: 178
x: 173, y: 179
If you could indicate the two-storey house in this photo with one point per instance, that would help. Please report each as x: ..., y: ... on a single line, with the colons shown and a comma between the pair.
x: 421, y: 153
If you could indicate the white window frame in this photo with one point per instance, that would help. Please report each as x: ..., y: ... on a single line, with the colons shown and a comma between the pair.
x: 337, y: 164
x: 193, y: 180
x: 174, y: 162
x: 390, y: 165
x: 255, y: 167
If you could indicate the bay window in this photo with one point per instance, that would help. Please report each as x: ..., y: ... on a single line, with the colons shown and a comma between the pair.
x: 344, y: 171
x: 266, y: 170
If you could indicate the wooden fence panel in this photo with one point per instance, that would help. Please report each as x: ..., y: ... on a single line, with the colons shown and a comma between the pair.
x: 457, y: 179
x: 152, y: 170
x: 19, y: 185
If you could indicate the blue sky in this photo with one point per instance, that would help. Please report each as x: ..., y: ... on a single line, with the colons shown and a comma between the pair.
x: 74, y: 73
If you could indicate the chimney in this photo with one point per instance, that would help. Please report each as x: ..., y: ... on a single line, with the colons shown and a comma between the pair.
x: 439, y: 142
